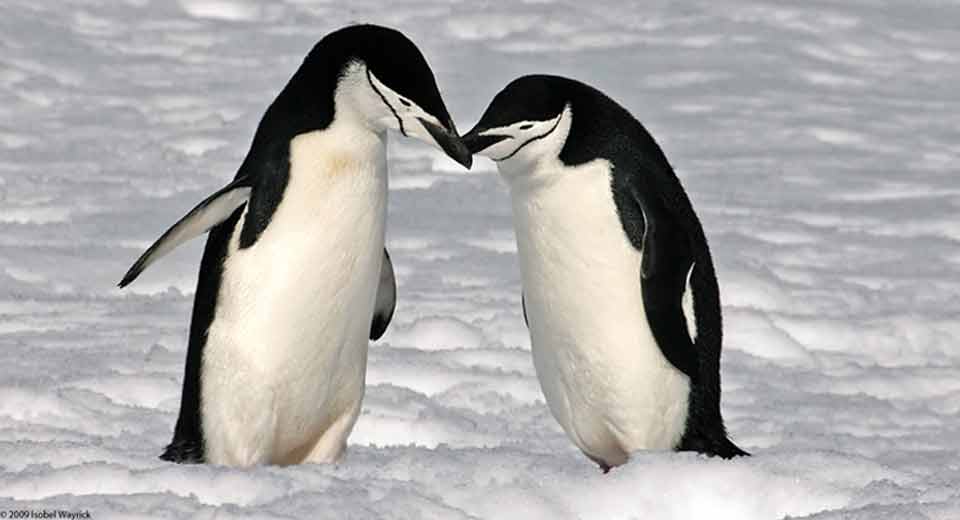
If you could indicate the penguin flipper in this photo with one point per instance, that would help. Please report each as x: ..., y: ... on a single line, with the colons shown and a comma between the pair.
x: 212, y: 211
x: 386, y: 299
x: 705, y: 431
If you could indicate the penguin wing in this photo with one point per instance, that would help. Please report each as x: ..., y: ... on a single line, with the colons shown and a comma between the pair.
x: 386, y: 299
x: 663, y: 192
x: 679, y: 257
x: 213, y: 210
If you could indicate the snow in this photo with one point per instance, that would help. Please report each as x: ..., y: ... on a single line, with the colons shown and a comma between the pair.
x: 819, y: 142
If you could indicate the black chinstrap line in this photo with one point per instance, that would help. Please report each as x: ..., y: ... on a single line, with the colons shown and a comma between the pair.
x: 532, y: 139
x: 384, y: 99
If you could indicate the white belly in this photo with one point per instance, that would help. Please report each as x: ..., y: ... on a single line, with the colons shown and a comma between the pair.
x: 286, y: 352
x: 601, y: 371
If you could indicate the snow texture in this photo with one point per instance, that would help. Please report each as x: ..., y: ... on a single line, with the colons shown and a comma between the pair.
x: 818, y: 140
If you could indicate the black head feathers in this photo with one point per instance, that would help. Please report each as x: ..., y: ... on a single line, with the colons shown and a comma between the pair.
x: 306, y: 103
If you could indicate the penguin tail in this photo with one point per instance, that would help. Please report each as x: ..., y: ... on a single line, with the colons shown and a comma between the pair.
x: 183, y: 451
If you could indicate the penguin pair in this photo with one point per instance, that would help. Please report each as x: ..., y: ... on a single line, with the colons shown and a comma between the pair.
x: 295, y: 277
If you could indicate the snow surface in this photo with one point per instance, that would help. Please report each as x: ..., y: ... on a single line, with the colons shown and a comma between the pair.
x: 818, y: 140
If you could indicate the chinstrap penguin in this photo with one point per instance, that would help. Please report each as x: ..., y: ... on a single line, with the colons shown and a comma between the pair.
x: 295, y: 277
x: 619, y: 290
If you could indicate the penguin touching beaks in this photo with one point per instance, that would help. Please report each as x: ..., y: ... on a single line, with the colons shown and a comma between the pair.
x: 619, y: 290
x: 295, y: 277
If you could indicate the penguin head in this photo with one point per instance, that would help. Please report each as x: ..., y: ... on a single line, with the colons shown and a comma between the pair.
x: 527, y: 122
x: 380, y: 78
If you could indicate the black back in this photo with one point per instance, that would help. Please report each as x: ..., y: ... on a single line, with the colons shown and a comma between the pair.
x: 658, y: 219
x: 305, y: 104
x: 187, y: 444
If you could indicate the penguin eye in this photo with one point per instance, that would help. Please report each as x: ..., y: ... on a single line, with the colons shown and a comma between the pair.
x: 405, y: 103
x: 527, y: 126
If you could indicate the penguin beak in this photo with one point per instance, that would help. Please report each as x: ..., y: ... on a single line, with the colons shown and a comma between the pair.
x: 477, y: 143
x: 449, y: 141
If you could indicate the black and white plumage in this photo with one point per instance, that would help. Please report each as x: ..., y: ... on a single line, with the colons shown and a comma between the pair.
x: 295, y: 277
x: 619, y: 288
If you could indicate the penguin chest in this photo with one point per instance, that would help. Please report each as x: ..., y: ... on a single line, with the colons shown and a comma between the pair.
x: 286, y: 351
x: 603, y: 375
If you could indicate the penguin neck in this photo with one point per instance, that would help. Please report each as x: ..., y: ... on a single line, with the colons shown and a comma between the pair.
x: 525, y: 177
x: 345, y: 150
x: 357, y: 132
x: 322, y: 95
x: 354, y: 139
x: 355, y: 102
x: 538, y: 164
x: 352, y: 147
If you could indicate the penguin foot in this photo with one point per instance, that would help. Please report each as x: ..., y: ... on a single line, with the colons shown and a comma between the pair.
x: 604, y: 467
x: 183, y: 452
x: 722, y: 447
